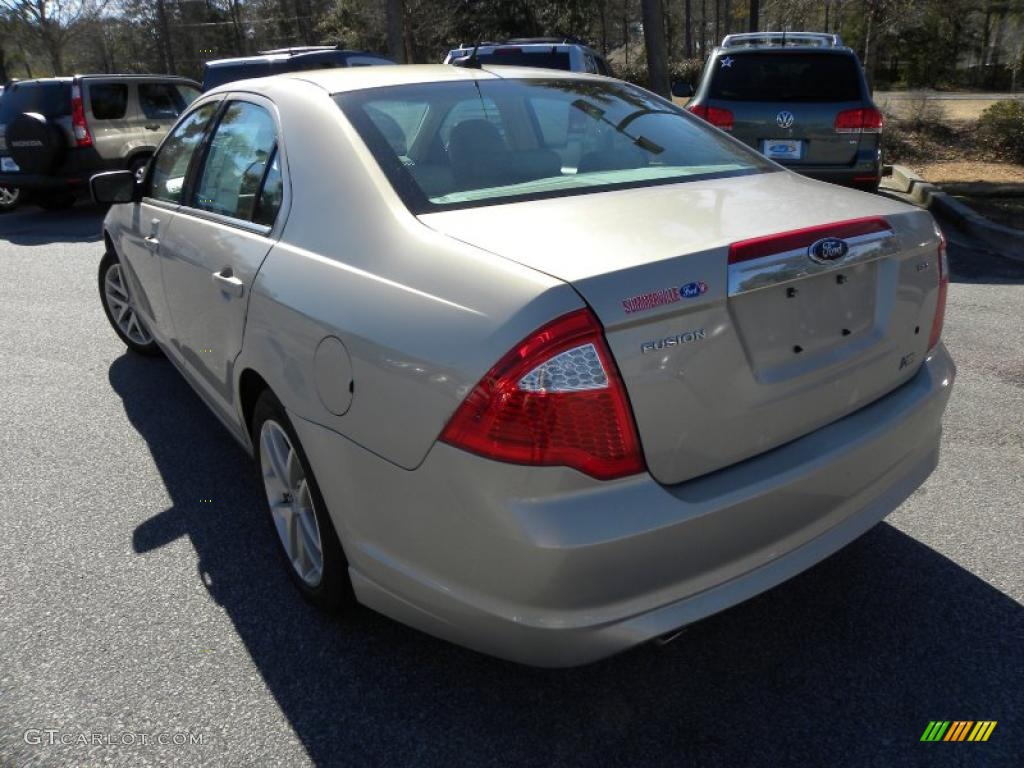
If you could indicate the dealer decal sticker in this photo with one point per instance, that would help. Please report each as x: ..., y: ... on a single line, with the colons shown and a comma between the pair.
x: 665, y: 296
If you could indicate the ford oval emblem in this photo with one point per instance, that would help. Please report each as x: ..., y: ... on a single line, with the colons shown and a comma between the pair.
x: 827, y: 250
x: 693, y: 290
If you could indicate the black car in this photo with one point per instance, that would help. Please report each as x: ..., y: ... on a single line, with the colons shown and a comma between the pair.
x: 286, y: 60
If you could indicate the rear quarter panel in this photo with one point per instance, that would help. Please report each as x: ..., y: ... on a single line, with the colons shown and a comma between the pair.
x: 421, y: 316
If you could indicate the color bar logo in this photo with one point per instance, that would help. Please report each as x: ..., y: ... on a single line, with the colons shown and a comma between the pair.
x: 958, y: 730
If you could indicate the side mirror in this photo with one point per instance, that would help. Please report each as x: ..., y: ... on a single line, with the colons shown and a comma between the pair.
x: 115, y: 187
x: 682, y: 89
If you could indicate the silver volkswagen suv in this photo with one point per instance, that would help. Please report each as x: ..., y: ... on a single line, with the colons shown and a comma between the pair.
x: 800, y: 98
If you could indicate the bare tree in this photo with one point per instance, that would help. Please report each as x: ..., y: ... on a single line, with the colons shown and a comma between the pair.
x: 53, y: 23
x: 396, y: 35
x: 688, y: 23
x: 654, y: 39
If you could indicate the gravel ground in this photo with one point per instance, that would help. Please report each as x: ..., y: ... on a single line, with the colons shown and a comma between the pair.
x: 130, y: 606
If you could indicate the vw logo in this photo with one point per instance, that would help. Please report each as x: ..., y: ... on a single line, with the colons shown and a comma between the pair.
x: 785, y: 119
x: 827, y: 250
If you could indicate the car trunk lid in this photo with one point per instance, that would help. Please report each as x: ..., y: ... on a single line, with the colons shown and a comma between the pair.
x: 722, y: 360
x: 797, y: 134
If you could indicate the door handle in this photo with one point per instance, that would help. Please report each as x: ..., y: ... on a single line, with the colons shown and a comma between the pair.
x: 228, y: 283
x: 152, y: 126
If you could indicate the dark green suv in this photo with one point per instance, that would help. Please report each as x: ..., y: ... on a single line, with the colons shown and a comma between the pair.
x: 800, y: 98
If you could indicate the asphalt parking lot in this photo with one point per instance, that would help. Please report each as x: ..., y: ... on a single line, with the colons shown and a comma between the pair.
x: 129, y: 604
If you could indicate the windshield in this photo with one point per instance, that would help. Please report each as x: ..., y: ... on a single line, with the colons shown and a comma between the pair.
x: 784, y: 76
x: 467, y: 143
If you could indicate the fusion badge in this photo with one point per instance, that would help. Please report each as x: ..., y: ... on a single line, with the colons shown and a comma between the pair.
x: 698, y: 334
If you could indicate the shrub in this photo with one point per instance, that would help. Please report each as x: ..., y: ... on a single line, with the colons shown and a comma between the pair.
x: 686, y: 70
x: 1001, y: 127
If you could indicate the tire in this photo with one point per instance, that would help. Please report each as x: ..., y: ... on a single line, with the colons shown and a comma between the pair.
x: 56, y: 201
x: 9, y: 198
x: 36, y: 144
x: 115, y: 296
x: 301, y: 504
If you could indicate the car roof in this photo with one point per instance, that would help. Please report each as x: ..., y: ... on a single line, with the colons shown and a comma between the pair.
x: 359, y: 78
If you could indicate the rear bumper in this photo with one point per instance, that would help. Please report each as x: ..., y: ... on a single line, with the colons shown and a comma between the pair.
x: 546, y: 567
x: 73, y: 173
x: 38, y: 181
x: 857, y: 176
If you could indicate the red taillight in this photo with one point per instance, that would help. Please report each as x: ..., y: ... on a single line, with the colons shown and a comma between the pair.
x: 507, y: 51
x: 720, y: 118
x: 78, y: 124
x: 757, y: 247
x: 863, y: 120
x: 940, y: 306
x: 555, y: 399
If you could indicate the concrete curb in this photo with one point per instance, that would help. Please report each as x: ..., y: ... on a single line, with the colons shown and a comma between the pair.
x: 1003, y: 240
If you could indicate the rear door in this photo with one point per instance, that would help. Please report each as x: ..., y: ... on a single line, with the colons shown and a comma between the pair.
x: 218, y: 240
x: 109, y: 118
x: 785, y: 103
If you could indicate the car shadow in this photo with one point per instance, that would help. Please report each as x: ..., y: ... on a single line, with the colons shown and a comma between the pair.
x: 30, y: 225
x: 845, y: 664
x: 974, y: 262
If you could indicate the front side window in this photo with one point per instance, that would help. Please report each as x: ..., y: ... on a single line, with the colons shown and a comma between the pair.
x: 496, y: 141
x: 109, y: 100
x: 170, y: 166
x: 236, y: 162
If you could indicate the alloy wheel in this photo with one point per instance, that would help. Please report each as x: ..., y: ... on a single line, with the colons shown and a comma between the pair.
x: 122, y: 309
x: 9, y: 196
x: 291, y: 503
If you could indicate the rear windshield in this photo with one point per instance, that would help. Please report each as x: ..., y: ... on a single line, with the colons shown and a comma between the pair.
x: 781, y: 76
x: 52, y: 99
x: 517, y: 57
x: 461, y: 144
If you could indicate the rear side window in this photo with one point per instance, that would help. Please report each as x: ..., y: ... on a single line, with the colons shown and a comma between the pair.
x: 366, y: 61
x: 161, y: 101
x: 109, y: 100
x: 236, y: 162
x: 227, y: 73
x: 517, y: 57
x: 310, y: 61
x: 778, y: 76
x: 51, y: 99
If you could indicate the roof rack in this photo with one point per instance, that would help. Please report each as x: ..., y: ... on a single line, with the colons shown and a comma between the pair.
x: 563, y: 40
x: 751, y: 39
x: 300, y: 49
